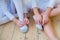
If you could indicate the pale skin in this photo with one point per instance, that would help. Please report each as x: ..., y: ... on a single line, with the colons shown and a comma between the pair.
x: 46, y: 22
x: 20, y: 23
x: 38, y: 15
x: 19, y: 8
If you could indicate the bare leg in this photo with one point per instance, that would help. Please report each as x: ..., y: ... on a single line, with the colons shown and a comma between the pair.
x: 49, y: 31
x: 48, y: 27
x: 55, y: 11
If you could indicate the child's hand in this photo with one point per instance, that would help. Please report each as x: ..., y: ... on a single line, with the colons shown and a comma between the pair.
x: 26, y: 20
x: 45, y: 19
x: 18, y: 22
x: 38, y: 18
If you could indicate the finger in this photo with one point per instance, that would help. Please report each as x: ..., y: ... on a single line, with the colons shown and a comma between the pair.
x: 40, y: 22
x: 22, y: 23
x: 46, y: 22
x: 27, y: 22
x: 19, y: 25
x: 43, y: 22
x: 36, y: 21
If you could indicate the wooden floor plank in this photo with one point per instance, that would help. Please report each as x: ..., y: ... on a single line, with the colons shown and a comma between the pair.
x: 1, y: 29
x: 18, y: 35
x: 42, y: 35
x: 56, y: 25
x: 8, y: 31
x: 31, y: 35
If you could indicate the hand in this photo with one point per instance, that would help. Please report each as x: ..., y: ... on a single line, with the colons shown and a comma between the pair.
x: 45, y: 19
x: 38, y: 18
x: 26, y: 21
x: 18, y: 22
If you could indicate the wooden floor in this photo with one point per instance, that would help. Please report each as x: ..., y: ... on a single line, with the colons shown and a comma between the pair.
x: 10, y: 31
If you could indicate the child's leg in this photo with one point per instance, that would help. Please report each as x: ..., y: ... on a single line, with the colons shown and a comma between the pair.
x: 49, y: 31
x: 55, y: 11
x: 48, y: 27
x: 26, y: 20
x: 12, y: 7
x: 19, y: 8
